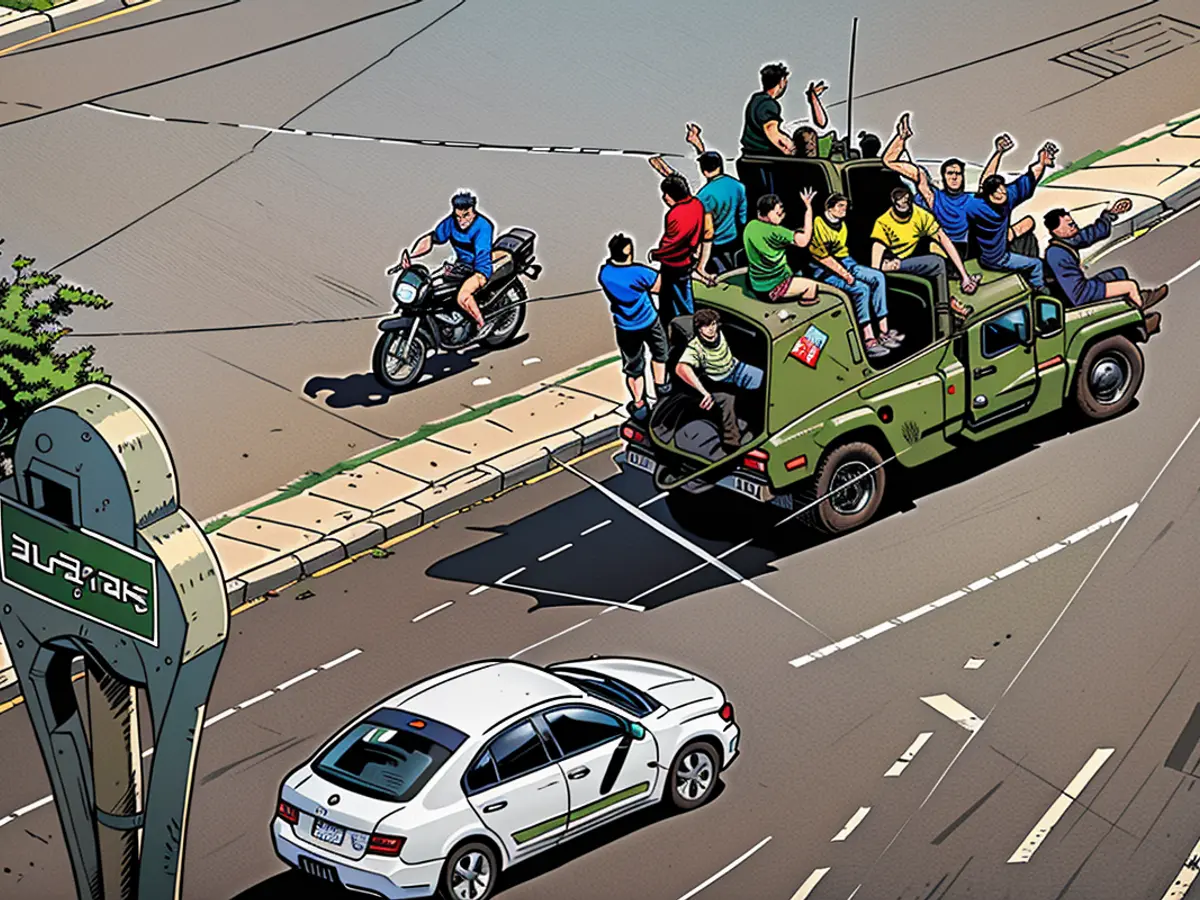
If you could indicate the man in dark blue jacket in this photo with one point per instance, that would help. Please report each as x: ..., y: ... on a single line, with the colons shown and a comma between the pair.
x: 1062, y: 256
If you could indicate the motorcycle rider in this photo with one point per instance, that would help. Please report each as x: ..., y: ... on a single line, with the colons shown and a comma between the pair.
x: 470, y: 233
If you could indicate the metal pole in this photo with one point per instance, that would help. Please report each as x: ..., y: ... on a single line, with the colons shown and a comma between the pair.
x: 850, y: 96
x: 117, y: 778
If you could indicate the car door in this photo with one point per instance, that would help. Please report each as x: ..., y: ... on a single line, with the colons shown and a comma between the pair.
x: 518, y: 791
x: 608, y: 769
x: 1051, y: 338
x: 1003, y: 370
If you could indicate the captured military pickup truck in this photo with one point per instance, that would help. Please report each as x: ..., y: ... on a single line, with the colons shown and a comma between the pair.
x: 818, y: 433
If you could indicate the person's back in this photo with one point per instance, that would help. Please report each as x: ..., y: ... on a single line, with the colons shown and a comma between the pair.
x: 761, y: 108
x: 725, y: 198
x: 627, y: 288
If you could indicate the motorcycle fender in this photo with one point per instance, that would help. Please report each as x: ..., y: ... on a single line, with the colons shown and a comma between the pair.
x: 396, y: 323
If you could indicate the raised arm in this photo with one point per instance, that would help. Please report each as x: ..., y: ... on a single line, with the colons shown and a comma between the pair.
x: 895, y: 149
x: 1045, y: 159
x: 661, y: 166
x: 814, y: 92
x: 1004, y: 143
x: 802, y: 237
x: 693, y: 137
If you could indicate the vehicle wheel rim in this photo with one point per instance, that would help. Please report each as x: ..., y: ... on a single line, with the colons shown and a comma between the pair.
x: 397, y: 368
x: 695, y: 776
x: 1109, y: 378
x: 508, y: 320
x: 471, y: 877
x: 849, y: 496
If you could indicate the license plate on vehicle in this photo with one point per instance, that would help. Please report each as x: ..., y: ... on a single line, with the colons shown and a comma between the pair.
x: 638, y: 461
x: 749, y: 488
x: 328, y: 832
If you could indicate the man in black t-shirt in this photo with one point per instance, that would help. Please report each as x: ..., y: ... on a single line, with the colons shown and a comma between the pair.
x: 761, y: 134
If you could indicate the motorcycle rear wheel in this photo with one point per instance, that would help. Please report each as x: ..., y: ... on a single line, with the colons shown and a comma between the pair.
x: 508, y: 324
x: 390, y: 370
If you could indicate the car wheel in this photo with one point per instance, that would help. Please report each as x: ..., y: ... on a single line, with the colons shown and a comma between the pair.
x: 1109, y: 376
x: 693, y: 776
x: 470, y: 873
x: 851, y: 481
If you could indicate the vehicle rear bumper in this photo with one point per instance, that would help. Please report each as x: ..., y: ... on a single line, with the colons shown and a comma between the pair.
x: 377, y: 876
x: 740, y: 483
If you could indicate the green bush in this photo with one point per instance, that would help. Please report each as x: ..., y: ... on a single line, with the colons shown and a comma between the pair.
x: 32, y: 371
x: 29, y: 4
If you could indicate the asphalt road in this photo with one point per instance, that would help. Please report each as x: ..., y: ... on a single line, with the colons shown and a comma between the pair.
x: 1065, y: 562
x: 201, y: 233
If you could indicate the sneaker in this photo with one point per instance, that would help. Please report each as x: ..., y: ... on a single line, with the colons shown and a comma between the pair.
x: 638, y: 413
x: 889, y: 341
x: 876, y: 349
x: 662, y: 390
x: 1153, y: 322
x: 1151, y: 297
x: 894, y: 335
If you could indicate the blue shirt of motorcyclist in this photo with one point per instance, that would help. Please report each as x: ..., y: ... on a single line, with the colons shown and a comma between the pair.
x: 473, y: 247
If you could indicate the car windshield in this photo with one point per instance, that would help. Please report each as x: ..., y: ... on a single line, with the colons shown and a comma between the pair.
x: 618, y: 693
x: 390, y: 756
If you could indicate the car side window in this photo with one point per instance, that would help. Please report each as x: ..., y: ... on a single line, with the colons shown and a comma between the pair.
x: 482, y: 775
x: 1005, y: 332
x: 518, y: 752
x: 1049, y: 317
x: 578, y: 728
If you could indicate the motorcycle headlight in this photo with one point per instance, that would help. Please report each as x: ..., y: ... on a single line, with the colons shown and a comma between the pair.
x: 405, y: 293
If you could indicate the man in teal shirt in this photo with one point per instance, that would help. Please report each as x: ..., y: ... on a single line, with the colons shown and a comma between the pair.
x: 767, y: 240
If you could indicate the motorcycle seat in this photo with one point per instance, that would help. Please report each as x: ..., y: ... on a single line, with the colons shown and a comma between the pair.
x: 502, y: 265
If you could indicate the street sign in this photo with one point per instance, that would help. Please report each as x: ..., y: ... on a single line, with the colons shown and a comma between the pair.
x: 80, y: 571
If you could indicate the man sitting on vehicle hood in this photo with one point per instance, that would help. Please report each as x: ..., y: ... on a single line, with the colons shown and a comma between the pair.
x: 709, y: 366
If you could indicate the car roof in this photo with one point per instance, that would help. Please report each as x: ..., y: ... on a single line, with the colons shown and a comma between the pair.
x: 476, y: 697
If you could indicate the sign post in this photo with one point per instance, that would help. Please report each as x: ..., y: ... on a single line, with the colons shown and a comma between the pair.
x: 98, y: 560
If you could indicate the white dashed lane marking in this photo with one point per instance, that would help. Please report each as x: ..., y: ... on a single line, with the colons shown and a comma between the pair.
x: 908, y: 755
x: 1060, y: 806
x: 954, y: 711
x: 855, y: 821
x: 553, y: 553
x: 1183, y: 882
x: 810, y: 884
x: 436, y: 609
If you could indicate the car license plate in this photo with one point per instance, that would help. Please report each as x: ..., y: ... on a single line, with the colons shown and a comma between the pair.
x: 638, y: 461
x: 749, y: 488
x: 328, y: 832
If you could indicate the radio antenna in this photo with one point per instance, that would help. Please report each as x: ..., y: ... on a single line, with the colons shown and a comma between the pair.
x: 850, y: 96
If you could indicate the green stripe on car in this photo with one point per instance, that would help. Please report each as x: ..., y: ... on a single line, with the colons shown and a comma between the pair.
x: 549, y: 825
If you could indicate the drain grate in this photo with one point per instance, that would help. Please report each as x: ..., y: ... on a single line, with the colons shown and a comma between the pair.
x: 1131, y: 47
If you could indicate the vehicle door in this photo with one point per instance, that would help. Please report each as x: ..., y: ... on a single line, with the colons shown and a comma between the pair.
x: 518, y: 791
x: 608, y: 768
x: 1051, y: 337
x: 1002, y: 370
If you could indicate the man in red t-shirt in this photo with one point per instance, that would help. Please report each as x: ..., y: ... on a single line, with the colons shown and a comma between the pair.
x: 679, y: 249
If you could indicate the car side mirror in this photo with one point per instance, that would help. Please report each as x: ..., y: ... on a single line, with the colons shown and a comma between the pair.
x: 636, y: 731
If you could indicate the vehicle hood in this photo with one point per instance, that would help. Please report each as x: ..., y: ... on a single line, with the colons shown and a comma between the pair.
x: 672, y: 687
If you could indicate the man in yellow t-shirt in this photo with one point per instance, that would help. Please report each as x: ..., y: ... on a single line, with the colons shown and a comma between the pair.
x: 899, y: 231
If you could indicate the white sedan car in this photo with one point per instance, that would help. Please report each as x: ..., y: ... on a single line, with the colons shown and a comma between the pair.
x: 452, y: 780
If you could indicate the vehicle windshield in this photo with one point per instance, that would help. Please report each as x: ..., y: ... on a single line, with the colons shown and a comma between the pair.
x: 621, y: 695
x: 390, y: 756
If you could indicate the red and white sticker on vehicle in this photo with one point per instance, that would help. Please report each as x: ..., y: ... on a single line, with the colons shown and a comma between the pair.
x: 808, y: 348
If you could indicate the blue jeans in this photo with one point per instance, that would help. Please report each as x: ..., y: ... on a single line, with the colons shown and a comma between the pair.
x: 676, y: 297
x: 1029, y: 266
x: 745, y: 377
x: 868, y: 292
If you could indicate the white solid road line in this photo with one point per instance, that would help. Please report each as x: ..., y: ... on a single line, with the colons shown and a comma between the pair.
x: 1183, y: 882
x: 976, y: 586
x: 954, y: 711
x: 810, y: 884
x: 1059, y: 807
x: 479, y: 590
x: 652, y: 500
x: 1186, y: 272
x: 430, y: 612
x: 855, y: 821
x: 908, y: 755
x: 729, y: 868
x: 49, y: 798
x: 549, y: 639
x: 513, y: 574
x: 553, y: 553
x: 587, y: 531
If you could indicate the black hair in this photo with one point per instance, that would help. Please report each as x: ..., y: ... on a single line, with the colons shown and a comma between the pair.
x: 953, y: 161
x: 1054, y: 218
x: 899, y: 193
x: 710, y: 161
x: 766, y: 203
x: 990, y: 184
x: 869, y: 144
x: 676, y: 187
x: 771, y: 74
x: 706, y: 317
x: 617, y: 245
x: 807, y: 142
x: 835, y: 199
x: 463, y: 200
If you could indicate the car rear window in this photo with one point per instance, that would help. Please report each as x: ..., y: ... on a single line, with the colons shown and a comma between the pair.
x: 389, y: 756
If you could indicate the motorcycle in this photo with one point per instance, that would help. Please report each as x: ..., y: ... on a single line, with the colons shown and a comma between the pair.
x: 429, y: 319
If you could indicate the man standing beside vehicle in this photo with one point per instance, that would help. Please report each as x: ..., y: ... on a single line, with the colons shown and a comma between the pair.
x: 470, y: 233
x: 767, y: 241
x: 628, y: 287
x: 709, y: 366
x: 679, y: 248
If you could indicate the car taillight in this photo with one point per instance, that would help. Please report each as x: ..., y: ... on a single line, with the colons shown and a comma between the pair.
x: 385, y: 845
x: 727, y: 712
x: 756, y: 460
x: 289, y: 813
x: 630, y: 433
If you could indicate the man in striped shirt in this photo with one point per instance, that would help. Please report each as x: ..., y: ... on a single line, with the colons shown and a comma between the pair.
x: 709, y: 366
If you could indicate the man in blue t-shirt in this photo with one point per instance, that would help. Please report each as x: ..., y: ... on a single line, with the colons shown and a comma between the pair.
x: 471, y: 236
x: 628, y: 287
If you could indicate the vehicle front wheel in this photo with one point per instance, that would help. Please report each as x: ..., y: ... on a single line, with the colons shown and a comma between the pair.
x: 693, y: 776
x: 392, y: 371
x: 850, y: 480
x: 470, y: 873
x: 1109, y: 376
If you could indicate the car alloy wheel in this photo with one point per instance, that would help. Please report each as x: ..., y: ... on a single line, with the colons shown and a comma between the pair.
x: 472, y: 876
x: 693, y: 776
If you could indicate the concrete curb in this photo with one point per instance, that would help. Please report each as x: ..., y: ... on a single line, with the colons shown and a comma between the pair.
x: 21, y: 25
x: 18, y: 26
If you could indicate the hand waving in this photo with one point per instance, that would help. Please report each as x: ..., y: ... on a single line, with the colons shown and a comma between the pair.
x: 808, y: 195
x: 1121, y: 207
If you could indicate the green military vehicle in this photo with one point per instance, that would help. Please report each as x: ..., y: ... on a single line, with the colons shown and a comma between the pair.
x: 828, y: 417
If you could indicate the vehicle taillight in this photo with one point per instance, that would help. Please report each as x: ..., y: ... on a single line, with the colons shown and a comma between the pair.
x: 727, y: 712
x: 630, y: 433
x: 385, y: 845
x: 756, y: 460
x: 289, y: 813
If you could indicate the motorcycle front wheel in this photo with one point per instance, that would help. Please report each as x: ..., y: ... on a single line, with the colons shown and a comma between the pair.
x: 391, y: 371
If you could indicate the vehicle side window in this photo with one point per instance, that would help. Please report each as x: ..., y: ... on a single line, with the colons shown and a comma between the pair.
x: 518, y: 751
x: 577, y: 728
x: 1049, y: 317
x: 483, y: 774
x: 1005, y: 332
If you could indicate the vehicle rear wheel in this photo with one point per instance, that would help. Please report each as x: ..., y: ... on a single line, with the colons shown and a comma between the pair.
x: 851, y: 480
x: 509, y: 322
x: 470, y: 873
x: 1109, y: 376
x: 391, y: 371
x: 693, y: 776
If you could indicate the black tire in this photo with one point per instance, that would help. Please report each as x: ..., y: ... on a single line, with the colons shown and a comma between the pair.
x: 693, y: 776
x: 471, y: 854
x: 1108, y: 377
x: 389, y: 372
x: 857, y: 503
x: 509, y: 327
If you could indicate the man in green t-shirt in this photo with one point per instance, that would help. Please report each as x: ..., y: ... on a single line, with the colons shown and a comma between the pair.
x: 766, y: 241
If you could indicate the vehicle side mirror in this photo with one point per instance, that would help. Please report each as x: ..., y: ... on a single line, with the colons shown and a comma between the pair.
x: 636, y: 731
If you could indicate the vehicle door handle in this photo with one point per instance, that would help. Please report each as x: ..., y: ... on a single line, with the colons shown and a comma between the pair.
x: 495, y: 807
x: 985, y: 371
x: 548, y: 784
x: 576, y: 774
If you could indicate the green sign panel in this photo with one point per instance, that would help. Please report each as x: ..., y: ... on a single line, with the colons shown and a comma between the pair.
x: 80, y: 571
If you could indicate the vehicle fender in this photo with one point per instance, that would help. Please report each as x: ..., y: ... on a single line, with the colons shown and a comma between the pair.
x: 710, y: 735
x: 1128, y: 323
x: 431, y: 833
x: 396, y: 323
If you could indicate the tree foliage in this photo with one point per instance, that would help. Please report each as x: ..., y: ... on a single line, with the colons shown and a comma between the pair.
x: 33, y: 371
